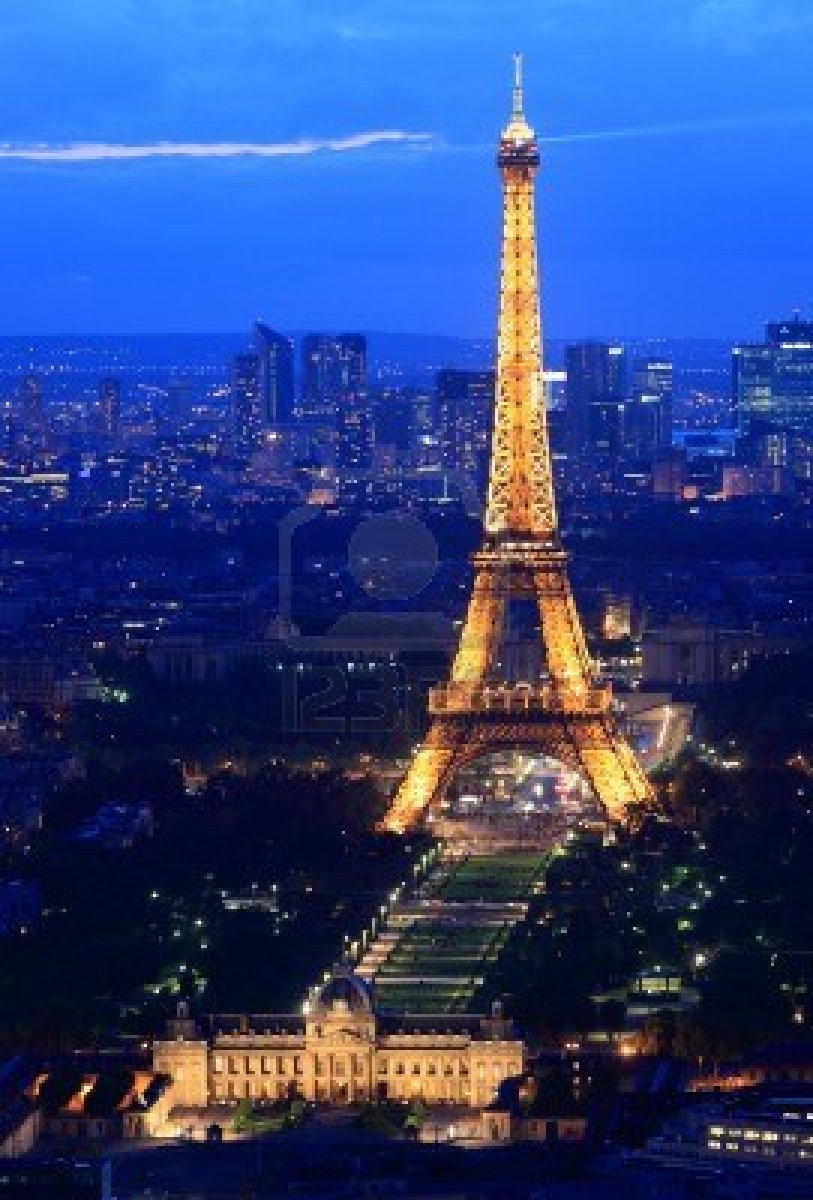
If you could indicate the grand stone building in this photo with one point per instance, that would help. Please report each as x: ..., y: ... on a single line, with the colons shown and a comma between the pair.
x: 341, y: 1052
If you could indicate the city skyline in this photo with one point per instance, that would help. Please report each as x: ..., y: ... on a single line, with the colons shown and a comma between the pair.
x: 328, y: 171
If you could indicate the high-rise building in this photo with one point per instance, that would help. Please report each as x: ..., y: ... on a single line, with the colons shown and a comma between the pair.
x: 465, y: 407
x: 7, y: 431
x: 648, y: 415
x: 109, y: 406
x: 33, y: 411
x: 773, y: 380
x: 245, y: 400
x: 276, y: 364
x: 394, y: 425
x: 335, y: 397
x: 595, y: 391
x: 332, y: 367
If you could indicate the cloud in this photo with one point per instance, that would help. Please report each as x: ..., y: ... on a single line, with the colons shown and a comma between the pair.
x: 685, y: 128
x: 741, y: 26
x: 94, y: 152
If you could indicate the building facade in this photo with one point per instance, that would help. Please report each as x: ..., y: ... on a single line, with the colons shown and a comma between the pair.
x: 595, y: 391
x: 340, y: 1052
x: 772, y: 381
x: 275, y: 361
x: 465, y: 403
x: 648, y: 416
x: 245, y: 399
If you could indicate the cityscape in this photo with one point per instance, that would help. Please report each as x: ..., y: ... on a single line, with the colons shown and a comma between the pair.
x: 406, y: 738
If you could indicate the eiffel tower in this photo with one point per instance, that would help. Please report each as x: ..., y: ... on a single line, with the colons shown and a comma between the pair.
x: 563, y: 712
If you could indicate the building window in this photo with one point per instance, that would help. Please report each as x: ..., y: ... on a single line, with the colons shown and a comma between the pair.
x: 217, y: 1066
x: 382, y: 1066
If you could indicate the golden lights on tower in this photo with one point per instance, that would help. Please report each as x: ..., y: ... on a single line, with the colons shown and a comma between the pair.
x: 564, y: 713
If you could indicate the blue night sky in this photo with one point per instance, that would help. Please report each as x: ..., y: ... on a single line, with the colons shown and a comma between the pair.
x: 690, y: 217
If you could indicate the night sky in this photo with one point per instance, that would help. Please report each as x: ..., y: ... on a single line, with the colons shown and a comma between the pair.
x: 676, y: 194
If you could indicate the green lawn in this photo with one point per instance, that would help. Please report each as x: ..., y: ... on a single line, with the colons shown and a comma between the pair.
x: 439, y: 961
x: 498, y: 878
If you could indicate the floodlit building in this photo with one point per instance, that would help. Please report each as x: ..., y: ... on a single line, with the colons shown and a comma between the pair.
x: 341, y: 1051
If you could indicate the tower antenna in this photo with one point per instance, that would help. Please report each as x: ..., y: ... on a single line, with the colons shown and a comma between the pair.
x: 518, y: 98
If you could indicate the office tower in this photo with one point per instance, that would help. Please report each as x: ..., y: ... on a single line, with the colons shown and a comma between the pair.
x: 773, y: 380
x: 7, y: 431
x: 649, y: 413
x: 245, y: 401
x: 334, y: 395
x: 333, y: 367
x: 109, y: 406
x: 276, y: 362
x: 465, y: 410
x: 394, y: 424
x: 595, y: 391
x: 33, y: 410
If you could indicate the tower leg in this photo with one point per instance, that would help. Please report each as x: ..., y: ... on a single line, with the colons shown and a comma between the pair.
x: 563, y: 642
x: 423, y: 780
x: 482, y: 630
x: 609, y: 765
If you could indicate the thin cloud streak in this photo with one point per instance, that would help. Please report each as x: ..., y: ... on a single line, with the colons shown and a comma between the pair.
x: 684, y: 128
x: 95, y: 152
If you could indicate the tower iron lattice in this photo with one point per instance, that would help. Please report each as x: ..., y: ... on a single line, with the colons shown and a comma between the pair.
x: 564, y: 712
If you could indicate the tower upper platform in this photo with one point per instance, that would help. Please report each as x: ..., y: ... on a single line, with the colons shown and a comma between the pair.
x: 518, y: 146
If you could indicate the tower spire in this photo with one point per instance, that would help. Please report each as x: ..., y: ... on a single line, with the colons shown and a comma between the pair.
x: 519, y: 107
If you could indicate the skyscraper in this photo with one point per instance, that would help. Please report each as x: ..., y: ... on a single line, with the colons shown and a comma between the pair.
x: 649, y: 412
x: 33, y: 411
x: 332, y: 367
x: 109, y: 406
x: 334, y: 395
x: 772, y: 381
x: 595, y: 391
x: 7, y: 431
x: 465, y: 403
x: 275, y: 354
x: 245, y: 400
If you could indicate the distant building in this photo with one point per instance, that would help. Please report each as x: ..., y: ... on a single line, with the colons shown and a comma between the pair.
x: 773, y: 380
x: 334, y: 367
x: 275, y: 354
x: 109, y: 406
x: 245, y: 398
x: 648, y: 415
x: 33, y: 411
x: 695, y: 654
x: 340, y: 1052
x: 753, y: 1133
x: 595, y: 393
x: 7, y: 432
x: 465, y: 414
x: 741, y: 482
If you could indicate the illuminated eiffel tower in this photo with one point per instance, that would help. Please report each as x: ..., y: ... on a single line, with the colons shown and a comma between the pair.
x: 563, y: 712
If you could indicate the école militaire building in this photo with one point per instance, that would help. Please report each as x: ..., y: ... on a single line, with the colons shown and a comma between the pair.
x: 341, y: 1051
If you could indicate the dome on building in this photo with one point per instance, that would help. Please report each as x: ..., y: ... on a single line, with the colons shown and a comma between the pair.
x: 346, y: 991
